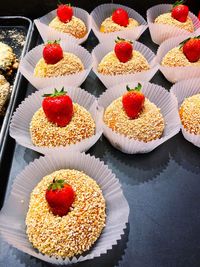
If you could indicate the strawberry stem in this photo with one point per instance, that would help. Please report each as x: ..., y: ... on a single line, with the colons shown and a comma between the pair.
x: 56, y: 93
x: 56, y: 184
x: 177, y: 3
x: 118, y: 40
x: 137, y: 88
x: 53, y: 42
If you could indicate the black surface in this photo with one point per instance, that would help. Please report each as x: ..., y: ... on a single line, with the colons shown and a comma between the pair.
x: 163, y: 191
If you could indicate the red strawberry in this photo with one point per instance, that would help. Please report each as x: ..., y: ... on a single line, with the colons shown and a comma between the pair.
x: 58, y: 107
x: 133, y: 101
x: 180, y: 11
x: 123, y: 50
x: 120, y: 16
x: 65, y: 13
x: 191, y: 48
x: 199, y: 15
x: 60, y: 197
x: 52, y: 52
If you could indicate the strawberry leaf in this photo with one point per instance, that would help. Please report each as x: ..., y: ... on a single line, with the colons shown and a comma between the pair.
x: 177, y: 3
x: 56, y: 93
x: 137, y: 88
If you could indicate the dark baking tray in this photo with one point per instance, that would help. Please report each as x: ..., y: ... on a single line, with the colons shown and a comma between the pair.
x: 162, y: 188
x: 14, y: 31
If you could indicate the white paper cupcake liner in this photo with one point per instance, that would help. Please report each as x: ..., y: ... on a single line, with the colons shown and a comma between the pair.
x: 20, y: 123
x: 156, y: 94
x: 175, y: 74
x: 182, y: 90
x: 110, y: 80
x: 48, y: 33
x: 162, y: 32
x: 30, y: 60
x: 100, y: 13
x: 13, y: 214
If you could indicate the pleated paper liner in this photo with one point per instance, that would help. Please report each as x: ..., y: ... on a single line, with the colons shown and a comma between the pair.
x: 161, y: 98
x: 100, y: 13
x: 48, y: 33
x: 162, y: 32
x: 20, y: 123
x: 28, y: 63
x: 183, y: 90
x: 110, y: 80
x: 13, y: 214
x: 175, y: 74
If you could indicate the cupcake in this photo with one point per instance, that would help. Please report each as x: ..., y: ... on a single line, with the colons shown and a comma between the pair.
x: 118, y: 21
x: 134, y: 116
x: 66, y: 22
x: 4, y: 94
x: 123, y: 60
x: 56, y: 63
x: 66, y: 214
x: 178, y: 17
x: 8, y: 61
x: 60, y: 122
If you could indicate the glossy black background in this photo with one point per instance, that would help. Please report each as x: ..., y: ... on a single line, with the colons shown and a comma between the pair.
x: 162, y: 187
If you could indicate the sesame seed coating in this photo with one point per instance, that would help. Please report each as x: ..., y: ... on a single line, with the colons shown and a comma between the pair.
x: 110, y: 64
x: 48, y: 134
x: 8, y: 60
x: 4, y: 94
x: 75, y: 232
x: 168, y: 19
x: 176, y: 58
x: 75, y: 26
x: 108, y: 25
x: 190, y: 114
x: 69, y: 64
x: 148, y: 126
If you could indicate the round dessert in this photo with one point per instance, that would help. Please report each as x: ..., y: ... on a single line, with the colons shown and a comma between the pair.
x: 135, y: 117
x: 119, y: 21
x: 60, y: 122
x: 123, y: 60
x: 8, y: 61
x: 71, y: 234
x: 4, y: 94
x: 190, y: 114
x: 67, y: 23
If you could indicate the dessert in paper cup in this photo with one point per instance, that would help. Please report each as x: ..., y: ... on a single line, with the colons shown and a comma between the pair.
x: 65, y: 119
x: 188, y: 97
x: 165, y: 23
x: 123, y: 60
x: 179, y: 58
x: 138, y: 117
x: 56, y: 61
x: 82, y: 218
x: 112, y: 20
x: 66, y: 23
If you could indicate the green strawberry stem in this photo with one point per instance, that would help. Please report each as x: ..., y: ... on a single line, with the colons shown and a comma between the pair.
x: 177, y: 3
x: 137, y: 88
x: 56, y: 184
x: 56, y: 93
x: 53, y: 42
x: 118, y: 40
x: 186, y: 40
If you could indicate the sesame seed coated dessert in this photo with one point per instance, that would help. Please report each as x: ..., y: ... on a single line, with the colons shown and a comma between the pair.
x: 8, y: 61
x: 108, y: 25
x: 190, y: 114
x: 75, y: 26
x: 148, y: 126
x: 168, y: 19
x: 48, y: 134
x: 69, y: 64
x: 4, y: 93
x: 74, y: 233
x: 176, y: 58
x: 111, y: 65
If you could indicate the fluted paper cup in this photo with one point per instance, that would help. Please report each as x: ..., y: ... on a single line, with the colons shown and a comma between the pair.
x: 28, y: 63
x: 162, y: 32
x: 110, y: 80
x: 161, y: 98
x: 175, y: 74
x: 13, y: 214
x: 48, y: 33
x: 100, y: 13
x: 20, y: 123
x: 183, y: 90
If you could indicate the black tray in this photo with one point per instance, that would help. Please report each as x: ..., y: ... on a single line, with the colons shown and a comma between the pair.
x: 162, y: 188
x: 14, y: 31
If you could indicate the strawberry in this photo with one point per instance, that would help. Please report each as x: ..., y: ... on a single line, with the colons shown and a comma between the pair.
x: 64, y: 13
x: 60, y: 197
x: 133, y: 101
x: 199, y: 15
x: 180, y: 11
x: 123, y: 50
x: 52, y: 52
x: 58, y: 107
x: 120, y: 16
x: 191, y: 48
